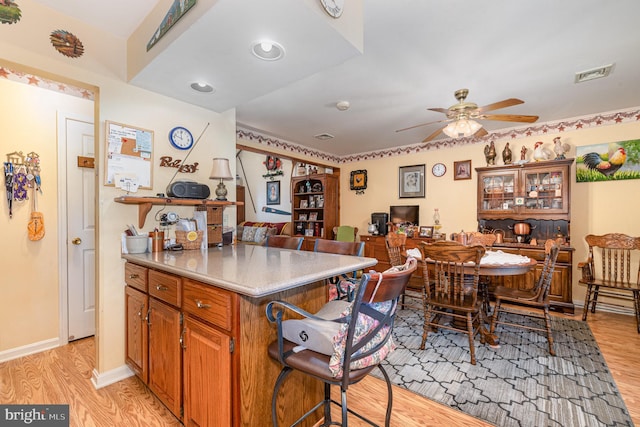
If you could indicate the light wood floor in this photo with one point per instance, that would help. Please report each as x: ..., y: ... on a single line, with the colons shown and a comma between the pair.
x: 63, y: 375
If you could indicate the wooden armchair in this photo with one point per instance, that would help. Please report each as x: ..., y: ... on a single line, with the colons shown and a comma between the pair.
x: 345, y: 233
x: 484, y: 239
x: 614, y: 266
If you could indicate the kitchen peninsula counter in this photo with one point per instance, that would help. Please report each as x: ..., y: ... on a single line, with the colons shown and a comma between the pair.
x: 206, y: 312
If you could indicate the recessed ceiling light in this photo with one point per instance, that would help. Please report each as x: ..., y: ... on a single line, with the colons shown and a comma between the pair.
x: 324, y: 136
x: 343, y: 105
x: 202, y: 87
x: 267, y: 50
x: 594, y: 73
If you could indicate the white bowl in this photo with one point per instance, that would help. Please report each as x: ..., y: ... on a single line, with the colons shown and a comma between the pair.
x: 137, y: 244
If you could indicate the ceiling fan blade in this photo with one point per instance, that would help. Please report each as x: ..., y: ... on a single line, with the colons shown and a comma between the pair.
x: 439, y: 110
x: 501, y: 104
x: 480, y: 133
x: 423, y: 124
x: 433, y: 135
x: 509, y: 118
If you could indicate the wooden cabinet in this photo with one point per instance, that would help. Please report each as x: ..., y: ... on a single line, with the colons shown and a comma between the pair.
x: 540, y: 194
x: 538, y: 190
x: 315, y: 206
x: 136, y: 345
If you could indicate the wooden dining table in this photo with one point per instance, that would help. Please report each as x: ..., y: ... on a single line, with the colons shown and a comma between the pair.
x: 490, y: 268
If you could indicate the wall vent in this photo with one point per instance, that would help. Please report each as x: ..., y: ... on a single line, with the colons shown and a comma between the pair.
x: 594, y: 73
x: 324, y: 136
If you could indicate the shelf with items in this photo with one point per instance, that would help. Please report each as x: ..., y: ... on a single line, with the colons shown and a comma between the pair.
x: 525, y: 191
x: 146, y: 203
x: 315, y: 208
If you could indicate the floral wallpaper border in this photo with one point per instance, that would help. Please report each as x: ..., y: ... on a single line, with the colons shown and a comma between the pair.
x: 569, y: 125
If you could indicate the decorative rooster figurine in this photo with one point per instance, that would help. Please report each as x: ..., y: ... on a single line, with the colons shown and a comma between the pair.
x: 560, y: 148
x: 507, y: 155
x: 540, y: 153
x: 490, y: 153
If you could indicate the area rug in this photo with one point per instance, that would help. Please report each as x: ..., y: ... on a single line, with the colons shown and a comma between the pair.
x: 517, y: 384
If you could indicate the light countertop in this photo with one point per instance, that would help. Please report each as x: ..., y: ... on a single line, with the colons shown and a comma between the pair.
x: 251, y: 270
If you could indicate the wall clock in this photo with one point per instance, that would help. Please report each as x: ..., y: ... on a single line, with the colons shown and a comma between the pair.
x: 333, y: 7
x: 181, y: 138
x: 438, y: 169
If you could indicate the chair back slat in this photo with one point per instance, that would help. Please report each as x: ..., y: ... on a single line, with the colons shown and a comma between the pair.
x: 338, y: 247
x: 395, y: 244
x: 543, y: 284
x: 284, y: 242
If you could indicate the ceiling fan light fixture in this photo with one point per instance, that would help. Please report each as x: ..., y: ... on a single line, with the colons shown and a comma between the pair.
x: 461, y: 128
x: 267, y: 50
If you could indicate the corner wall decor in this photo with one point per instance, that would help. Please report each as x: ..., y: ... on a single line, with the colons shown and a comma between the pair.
x: 9, y: 12
x: 175, y: 12
x: 66, y: 43
x: 274, y: 167
x: 273, y: 192
x: 462, y: 170
x: 358, y: 181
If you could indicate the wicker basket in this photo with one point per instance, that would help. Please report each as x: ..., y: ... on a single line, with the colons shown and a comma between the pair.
x: 189, y: 239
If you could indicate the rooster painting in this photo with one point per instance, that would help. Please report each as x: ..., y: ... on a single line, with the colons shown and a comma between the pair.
x: 606, y: 167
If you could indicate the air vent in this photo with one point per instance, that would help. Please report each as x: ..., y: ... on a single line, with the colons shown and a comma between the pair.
x: 594, y: 73
x: 324, y: 136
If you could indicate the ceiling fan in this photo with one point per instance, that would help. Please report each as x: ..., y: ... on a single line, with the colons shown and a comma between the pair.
x: 463, y: 115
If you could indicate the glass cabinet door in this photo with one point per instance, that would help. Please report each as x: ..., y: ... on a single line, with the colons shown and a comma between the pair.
x: 544, y: 191
x: 497, y: 192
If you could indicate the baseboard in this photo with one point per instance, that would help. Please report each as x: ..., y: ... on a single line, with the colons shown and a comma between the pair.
x: 26, y: 350
x: 608, y: 307
x: 103, y: 379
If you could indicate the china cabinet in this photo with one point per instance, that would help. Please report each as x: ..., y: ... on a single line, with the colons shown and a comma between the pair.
x: 315, y: 207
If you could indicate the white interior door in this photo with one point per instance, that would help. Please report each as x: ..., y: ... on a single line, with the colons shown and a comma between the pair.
x: 80, y: 225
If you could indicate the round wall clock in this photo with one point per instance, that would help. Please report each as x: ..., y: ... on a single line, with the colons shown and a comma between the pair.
x: 438, y: 169
x: 181, y: 138
x: 333, y: 7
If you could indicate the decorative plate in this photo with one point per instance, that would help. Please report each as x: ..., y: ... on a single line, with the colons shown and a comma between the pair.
x: 66, y: 43
x: 9, y: 12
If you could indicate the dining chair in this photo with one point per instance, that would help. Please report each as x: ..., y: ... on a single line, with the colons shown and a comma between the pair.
x: 609, y: 272
x: 341, y: 285
x: 484, y: 239
x: 345, y: 233
x: 532, y: 303
x: 339, y: 347
x: 451, y: 288
x: 285, y: 242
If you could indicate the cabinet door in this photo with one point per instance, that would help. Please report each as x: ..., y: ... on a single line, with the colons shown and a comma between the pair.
x: 207, y: 375
x: 136, y: 305
x: 545, y: 191
x: 497, y: 191
x: 164, y: 354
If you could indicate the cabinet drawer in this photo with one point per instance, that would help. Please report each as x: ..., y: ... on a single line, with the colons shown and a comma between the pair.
x: 209, y: 303
x: 538, y: 255
x: 165, y: 287
x: 136, y: 276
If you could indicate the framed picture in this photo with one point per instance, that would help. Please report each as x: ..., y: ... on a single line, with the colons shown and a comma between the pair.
x: 304, y: 204
x: 308, y: 232
x: 358, y: 181
x: 302, y: 217
x: 273, y: 192
x: 462, y: 170
x: 313, y: 216
x: 426, y: 231
x: 411, y: 181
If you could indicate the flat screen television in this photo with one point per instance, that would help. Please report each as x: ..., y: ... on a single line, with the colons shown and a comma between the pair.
x: 404, y: 214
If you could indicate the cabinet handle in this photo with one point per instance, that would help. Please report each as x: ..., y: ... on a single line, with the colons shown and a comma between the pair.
x: 200, y: 304
x: 184, y: 347
x: 140, y: 311
x: 161, y: 287
x: 147, y: 317
x: 133, y: 276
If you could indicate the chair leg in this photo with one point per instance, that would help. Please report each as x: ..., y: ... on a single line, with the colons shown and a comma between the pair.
x: 387, y: 418
x: 587, y: 300
x: 327, y: 404
x: 495, y: 316
x: 472, y: 348
x: 594, y: 299
x: 274, y: 398
x: 547, y: 322
x: 636, y: 300
x: 426, y: 326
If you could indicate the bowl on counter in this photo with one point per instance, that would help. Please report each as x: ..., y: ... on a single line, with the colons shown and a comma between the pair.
x: 137, y: 244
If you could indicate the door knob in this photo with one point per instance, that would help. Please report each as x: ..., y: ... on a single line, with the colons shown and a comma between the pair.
x: 76, y: 241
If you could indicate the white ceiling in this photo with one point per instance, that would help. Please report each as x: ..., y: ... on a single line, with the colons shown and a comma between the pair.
x: 416, y: 54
